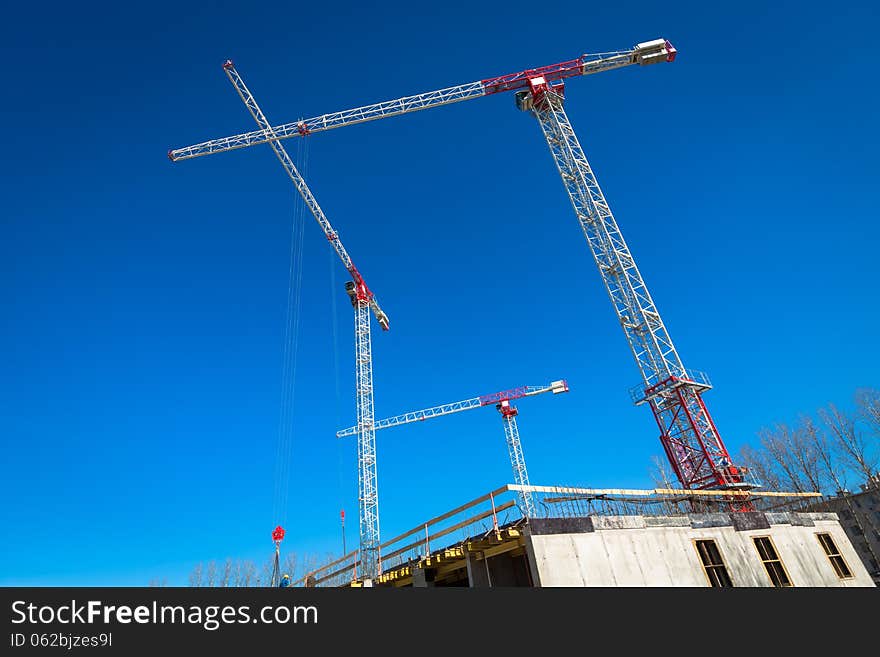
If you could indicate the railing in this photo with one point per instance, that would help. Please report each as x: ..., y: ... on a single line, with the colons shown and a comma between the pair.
x: 481, y: 515
x: 639, y: 394
x: 336, y: 573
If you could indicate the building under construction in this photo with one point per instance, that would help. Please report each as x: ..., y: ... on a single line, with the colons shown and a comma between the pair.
x: 707, y: 533
x: 586, y: 537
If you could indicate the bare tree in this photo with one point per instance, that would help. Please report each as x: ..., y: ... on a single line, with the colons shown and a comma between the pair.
x: 850, y: 441
x: 825, y: 453
x: 659, y: 473
x: 777, y: 452
x: 794, y: 457
x: 868, y: 409
x: 242, y: 573
x: 266, y: 570
x: 195, y: 577
x: 289, y: 565
x: 663, y: 478
x: 836, y: 472
x: 248, y: 570
x: 226, y: 578
x: 309, y: 563
x: 807, y: 458
x: 761, y: 467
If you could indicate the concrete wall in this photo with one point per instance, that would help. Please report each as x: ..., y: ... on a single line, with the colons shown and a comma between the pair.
x: 859, y: 516
x: 651, y: 551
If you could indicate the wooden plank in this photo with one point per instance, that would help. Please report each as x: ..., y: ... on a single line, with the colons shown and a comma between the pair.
x: 472, y: 520
x: 420, y: 528
x: 507, y: 546
x: 329, y: 565
x: 450, y: 567
x: 448, y: 514
x: 645, y: 492
x: 334, y: 574
x: 449, y: 530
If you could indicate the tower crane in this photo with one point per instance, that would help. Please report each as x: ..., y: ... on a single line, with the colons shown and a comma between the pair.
x: 501, y: 400
x: 650, y: 52
x: 363, y: 301
x: 688, y: 434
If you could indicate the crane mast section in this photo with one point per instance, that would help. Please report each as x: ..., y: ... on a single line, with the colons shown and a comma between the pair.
x: 368, y: 496
x: 518, y: 463
x: 642, y: 54
x: 687, y: 432
x: 306, y: 193
x: 653, y: 349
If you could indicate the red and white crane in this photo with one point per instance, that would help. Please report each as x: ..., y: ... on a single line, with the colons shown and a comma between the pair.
x: 688, y: 434
x: 650, y: 52
x: 501, y: 401
x: 363, y: 301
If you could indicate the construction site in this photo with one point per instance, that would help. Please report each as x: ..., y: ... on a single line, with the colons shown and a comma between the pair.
x: 717, y: 525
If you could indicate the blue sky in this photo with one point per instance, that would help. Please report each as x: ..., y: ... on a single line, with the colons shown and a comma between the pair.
x: 144, y: 301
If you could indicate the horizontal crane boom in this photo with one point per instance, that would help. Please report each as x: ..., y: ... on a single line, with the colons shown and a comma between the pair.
x: 455, y: 407
x: 649, y: 52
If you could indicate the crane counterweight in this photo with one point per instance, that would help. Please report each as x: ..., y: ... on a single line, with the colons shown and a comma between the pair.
x: 654, y: 52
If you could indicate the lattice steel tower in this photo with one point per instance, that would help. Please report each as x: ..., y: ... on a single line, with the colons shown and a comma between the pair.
x: 363, y: 300
x: 688, y: 434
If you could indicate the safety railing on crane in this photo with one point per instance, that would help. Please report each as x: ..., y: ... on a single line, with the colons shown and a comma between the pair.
x: 640, y: 394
